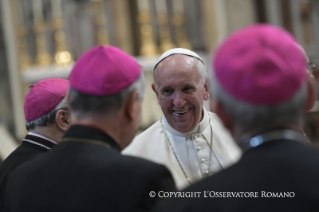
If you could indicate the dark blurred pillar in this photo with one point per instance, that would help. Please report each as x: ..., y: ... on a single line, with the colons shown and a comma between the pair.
x: 260, y: 11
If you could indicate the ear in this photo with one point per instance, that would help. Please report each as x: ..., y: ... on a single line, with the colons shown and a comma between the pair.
x: 62, y: 120
x: 220, y: 112
x: 206, y: 91
x: 311, y: 92
x: 156, y: 92
x: 131, y: 106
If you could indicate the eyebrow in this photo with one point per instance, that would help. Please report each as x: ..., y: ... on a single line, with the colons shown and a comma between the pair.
x: 166, y: 87
x: 188, y: 85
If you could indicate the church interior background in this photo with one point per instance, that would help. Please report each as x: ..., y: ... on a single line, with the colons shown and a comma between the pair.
x: 42, y: 38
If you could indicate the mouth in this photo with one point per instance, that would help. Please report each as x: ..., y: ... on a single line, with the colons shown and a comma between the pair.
x: 181, y: 112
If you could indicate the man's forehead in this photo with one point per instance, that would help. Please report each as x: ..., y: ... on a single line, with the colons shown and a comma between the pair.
x: 177, y: 76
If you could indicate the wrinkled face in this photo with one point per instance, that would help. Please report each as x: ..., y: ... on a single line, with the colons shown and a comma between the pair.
x: 180, y: 92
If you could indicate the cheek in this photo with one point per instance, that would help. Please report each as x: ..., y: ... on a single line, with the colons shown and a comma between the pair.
x: 164, y: 102
x: 196, y: 100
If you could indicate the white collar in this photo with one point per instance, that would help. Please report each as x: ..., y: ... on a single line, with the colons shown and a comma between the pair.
x: 200, y: 128
x: 41, y: 136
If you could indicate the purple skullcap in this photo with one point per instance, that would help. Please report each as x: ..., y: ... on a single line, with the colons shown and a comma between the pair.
x: 260, y: 64
x: 104, y: 70
x: 43, y: 97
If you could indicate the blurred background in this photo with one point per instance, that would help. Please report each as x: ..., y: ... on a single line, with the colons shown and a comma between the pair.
x: 42, y: 38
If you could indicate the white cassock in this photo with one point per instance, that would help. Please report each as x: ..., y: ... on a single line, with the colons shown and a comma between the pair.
x: 192, y: 150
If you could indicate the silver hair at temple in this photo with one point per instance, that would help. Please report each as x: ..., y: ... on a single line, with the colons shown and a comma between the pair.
x: 246, y: 115
x: 49, y: 118
x: 83, y: 105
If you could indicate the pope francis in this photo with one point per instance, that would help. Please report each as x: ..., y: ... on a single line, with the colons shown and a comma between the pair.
x: 189, y: 140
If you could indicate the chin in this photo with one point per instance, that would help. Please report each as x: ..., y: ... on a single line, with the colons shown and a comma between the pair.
x: 184, y: 129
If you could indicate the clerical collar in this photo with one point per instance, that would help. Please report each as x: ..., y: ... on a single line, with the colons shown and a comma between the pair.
x: 43, y: 137
x: 89, y: 134
x: 248, y: 142
x: 200, y: 128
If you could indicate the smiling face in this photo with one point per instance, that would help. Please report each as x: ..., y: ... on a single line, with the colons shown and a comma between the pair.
x: 180, y: 92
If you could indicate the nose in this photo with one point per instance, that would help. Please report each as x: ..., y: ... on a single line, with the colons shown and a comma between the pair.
x: 179, y: 100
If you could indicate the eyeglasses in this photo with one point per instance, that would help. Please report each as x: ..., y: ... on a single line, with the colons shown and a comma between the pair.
x: 311, y: 67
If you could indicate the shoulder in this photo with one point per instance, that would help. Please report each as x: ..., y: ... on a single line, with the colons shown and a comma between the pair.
x: 220, y: 130
x: 218, y: 126
x: 139, y: 164
x: 150, y: 137
x: 215, y: 120
x: 151, y: 131
x: 19, y: 156
x: 140, y: 168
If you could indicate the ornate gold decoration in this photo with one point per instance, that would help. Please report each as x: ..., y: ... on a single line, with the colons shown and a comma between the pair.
x: 162, y: 19
x: 148, y: 47
x: 179, y: 22
x: 43, y: 58
x: 100, y: 21
x: 24, y: 58
x: 165, y: 35
x: 180, y: 31
x: 62, y: 56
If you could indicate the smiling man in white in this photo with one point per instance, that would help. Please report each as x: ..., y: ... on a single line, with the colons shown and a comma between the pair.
x: 188, y: 139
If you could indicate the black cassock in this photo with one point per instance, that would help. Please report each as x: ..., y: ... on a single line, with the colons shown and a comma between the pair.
x: 31, y: 147
x: 86, y: 172
x: 281, y: 175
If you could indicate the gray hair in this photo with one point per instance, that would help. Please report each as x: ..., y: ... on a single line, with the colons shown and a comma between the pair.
x: 247, y: 116
x: 200, y: 67
x: 49, y: 118
x: 83, y: 104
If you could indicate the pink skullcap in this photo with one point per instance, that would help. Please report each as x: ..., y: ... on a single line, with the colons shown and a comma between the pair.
x: 260, y: 64
x: 104, y: 70
x: 43, y: 97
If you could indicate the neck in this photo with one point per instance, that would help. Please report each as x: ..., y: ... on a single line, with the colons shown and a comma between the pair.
x: 50, y: 132
x: 109, y: 126
x: 240, y: 134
